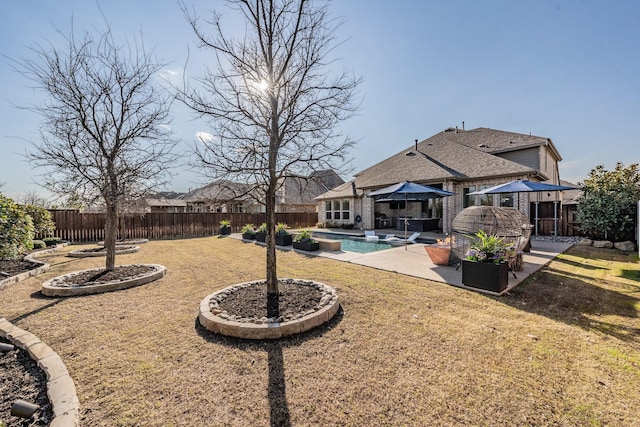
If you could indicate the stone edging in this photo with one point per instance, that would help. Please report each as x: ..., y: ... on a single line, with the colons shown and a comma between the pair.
x: 50, y: 288
x: 79, y: 253
x: 271, y: 329
x: 60, y: 387
x: 38, y: 270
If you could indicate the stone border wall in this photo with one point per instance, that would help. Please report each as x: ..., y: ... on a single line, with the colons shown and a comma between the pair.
x: 60, y: 387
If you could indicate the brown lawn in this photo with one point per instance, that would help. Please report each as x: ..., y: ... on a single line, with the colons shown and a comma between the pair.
x: 563, y: 349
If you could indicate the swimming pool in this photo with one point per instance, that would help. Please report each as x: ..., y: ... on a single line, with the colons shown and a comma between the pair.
x: 354, y: 243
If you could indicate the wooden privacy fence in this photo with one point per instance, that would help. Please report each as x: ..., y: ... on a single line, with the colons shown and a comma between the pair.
x: 74, y: 226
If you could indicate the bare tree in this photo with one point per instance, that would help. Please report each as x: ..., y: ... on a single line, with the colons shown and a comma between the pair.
x: 105, y: 132
x: 272, y: 106
x: 35, y: 199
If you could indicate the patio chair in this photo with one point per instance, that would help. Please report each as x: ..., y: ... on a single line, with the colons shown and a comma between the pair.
x: 388, y: 237
x: 398, y: 241
x: 370, y: 236
x: 413, y: 237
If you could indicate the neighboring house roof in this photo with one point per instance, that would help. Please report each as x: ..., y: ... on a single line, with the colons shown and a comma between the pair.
x: 168, y: 195
x: 166, y: 203
x: 299, y: 190
x: 221, y: 191
x: 452, y: 155
x: 346, y: 190
x: 570, y: 197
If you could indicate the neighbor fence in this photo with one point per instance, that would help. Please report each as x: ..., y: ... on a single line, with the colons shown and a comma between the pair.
x: 74, y: 226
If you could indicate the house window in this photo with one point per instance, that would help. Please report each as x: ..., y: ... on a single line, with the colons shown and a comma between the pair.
x: 337, y: 209
x: 481, y: 200
x: 468, y: 200
x: 507, y: 200
x: 345, y: 209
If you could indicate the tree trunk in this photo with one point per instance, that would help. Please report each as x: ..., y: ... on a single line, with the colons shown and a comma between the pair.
x: 110, y: 232
x: 273, y: 305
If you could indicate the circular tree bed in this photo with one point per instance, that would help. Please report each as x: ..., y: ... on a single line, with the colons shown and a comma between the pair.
x: 101, y: 251
x: 99, y: 280
x: 127, y: 242
x: 241, y: 310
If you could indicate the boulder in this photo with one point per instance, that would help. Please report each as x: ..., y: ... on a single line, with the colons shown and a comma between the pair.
x: 585, y: 242
x: 602, y: 244
x: 627, y: 246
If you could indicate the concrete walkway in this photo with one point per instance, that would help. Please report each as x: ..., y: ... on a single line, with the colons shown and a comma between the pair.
x: 414, y: 261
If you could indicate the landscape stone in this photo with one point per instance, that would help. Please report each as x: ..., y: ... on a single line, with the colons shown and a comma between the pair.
x: 627, y: 246
x: 602, y: 244
x: 585, y: 242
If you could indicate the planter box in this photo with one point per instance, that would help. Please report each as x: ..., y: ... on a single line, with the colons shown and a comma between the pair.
x: 249, y: 236
x: 284, y: 239
x: 440, y: 255
x: 306, y: 246
x: 225, y: 231
x: 485, y: 275
x: 261, y: 237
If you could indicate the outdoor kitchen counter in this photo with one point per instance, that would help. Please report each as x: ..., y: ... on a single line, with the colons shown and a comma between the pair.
x: 418, y: 224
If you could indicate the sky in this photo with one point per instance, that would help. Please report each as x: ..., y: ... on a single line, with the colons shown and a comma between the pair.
x: 568, y: 70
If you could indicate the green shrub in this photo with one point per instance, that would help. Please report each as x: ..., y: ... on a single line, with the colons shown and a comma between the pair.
x: 42, y: 222
x: 248, y: 229
x: 607, y: 207
x: 281, y: 228
x: 51, y: 241
x: 39, y: 244
x: 16, y: 230
x: 304, y: 235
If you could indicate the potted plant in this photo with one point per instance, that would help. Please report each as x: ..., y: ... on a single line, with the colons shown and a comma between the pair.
x: 261, y: 234
x: 305, y: 242
x: 441, y: 252
x: 225, y: 227
x: 283, y: 238
x: 248, y: 233
x: 485, y: 266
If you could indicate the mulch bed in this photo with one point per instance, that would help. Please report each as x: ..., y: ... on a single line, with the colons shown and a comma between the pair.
x: 22, y: 379
x: 11, y: 268
x: 103, y: 249
x: 120, y: 273
x: 252, y: 301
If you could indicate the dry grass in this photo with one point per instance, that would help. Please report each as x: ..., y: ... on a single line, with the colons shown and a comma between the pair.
x: 562, y: 350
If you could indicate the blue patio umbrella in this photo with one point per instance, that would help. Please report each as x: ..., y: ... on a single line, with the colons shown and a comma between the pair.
x: 408, y: 191
x: 525, y: 186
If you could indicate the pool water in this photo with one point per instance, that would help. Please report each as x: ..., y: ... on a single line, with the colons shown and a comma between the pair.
x: 355, y: 244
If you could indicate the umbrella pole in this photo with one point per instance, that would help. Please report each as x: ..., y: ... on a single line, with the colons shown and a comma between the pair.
x: 405, y: 221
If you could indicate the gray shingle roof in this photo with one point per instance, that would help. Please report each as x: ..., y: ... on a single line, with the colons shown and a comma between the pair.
x: 219, y: 191
x: 452, y: 155
x: 345, y: 190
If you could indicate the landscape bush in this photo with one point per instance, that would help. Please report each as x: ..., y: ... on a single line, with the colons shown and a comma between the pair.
x: 43, y: 224
x: 51, y: 241
x: 39, y: 244
x: 16, y: 230
x: 608, y: 205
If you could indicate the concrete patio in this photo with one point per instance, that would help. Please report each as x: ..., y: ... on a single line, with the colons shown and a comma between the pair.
x: 414, y: 261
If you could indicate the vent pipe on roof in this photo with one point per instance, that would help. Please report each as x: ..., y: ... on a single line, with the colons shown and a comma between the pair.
x: 456, y: 129
x: 416, y: 145
x: 463, y: 125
